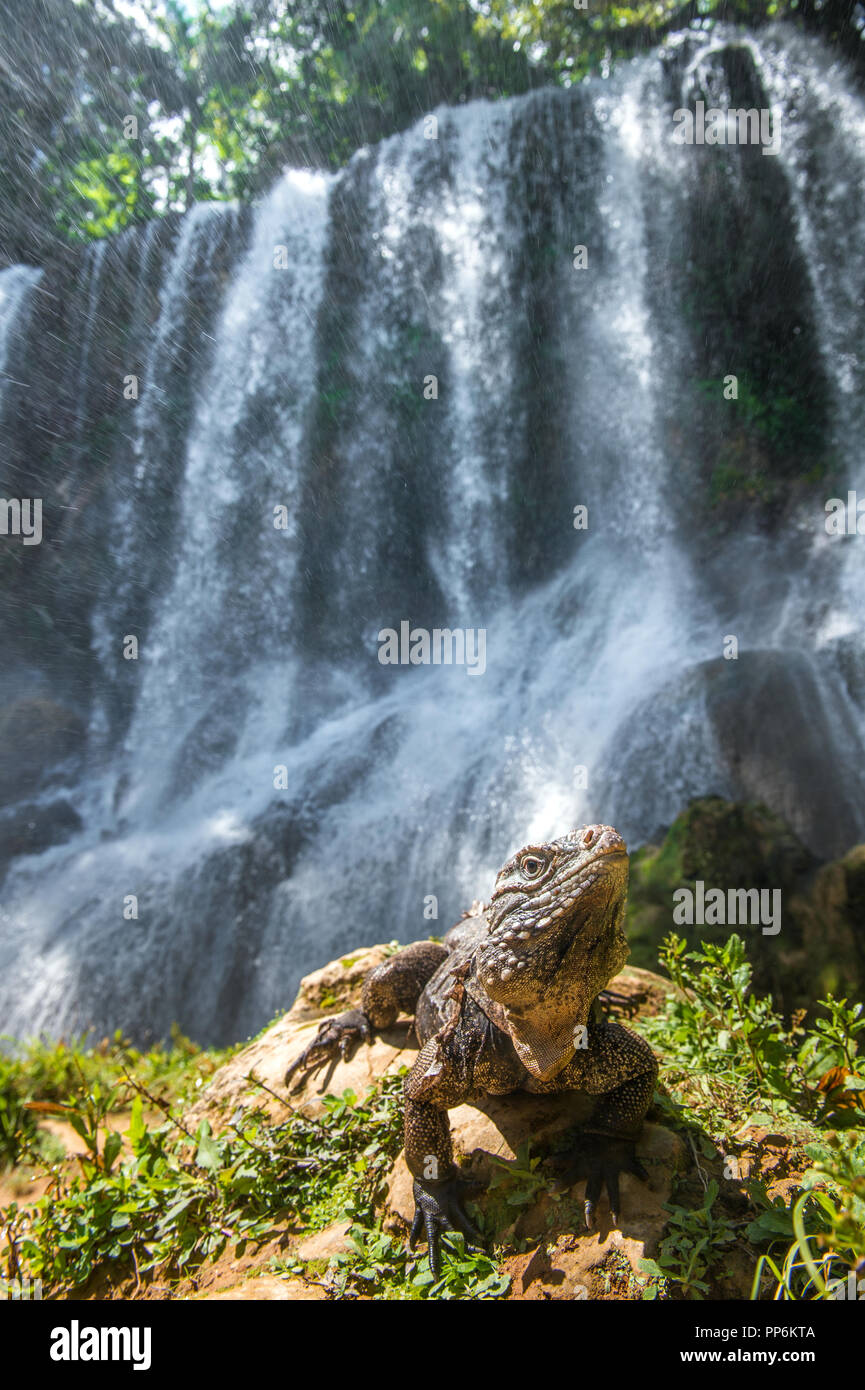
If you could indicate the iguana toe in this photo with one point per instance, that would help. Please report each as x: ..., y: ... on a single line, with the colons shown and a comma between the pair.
x: 600, y: 1161
x: 439, y: 1208
x: 337, y: 1038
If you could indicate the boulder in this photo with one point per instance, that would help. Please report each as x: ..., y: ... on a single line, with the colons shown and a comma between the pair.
x: 321, y: 1245
x: 770, y: 727
x: 785, y: 737
x: 551, y: 1255
x: 821, y: 944
x: 560, y: 1259
x: 30, y: 829
x: 331, y: 990
x: 37, y: 736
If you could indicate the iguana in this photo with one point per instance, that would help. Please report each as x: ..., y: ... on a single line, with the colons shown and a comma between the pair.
x: 510, y: 1002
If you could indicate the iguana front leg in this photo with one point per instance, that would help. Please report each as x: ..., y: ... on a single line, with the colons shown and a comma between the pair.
x: 436, y: 1082
x: 607, y: 1147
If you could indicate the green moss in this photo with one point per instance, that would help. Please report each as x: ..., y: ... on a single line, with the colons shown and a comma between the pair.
x: 725, y: 844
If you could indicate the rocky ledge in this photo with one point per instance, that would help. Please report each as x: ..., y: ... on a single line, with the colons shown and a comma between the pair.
x: 546, y: 1251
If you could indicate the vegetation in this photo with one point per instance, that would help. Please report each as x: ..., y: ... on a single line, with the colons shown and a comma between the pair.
x: 157, y: 1201
x: 107, y: 119
x: 726, y: 1054
x: 42, y: 1078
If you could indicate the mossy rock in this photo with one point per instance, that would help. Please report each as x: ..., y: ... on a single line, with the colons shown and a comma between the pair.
x: 728, y: 845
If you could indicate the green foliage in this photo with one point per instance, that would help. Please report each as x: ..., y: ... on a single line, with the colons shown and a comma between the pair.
x: 72, y: 71
x: 380, y: 1263
x: 574, y: 43
x: 729, y: 482
x: 156, y: 1201
x: 771, y: 424
x: 102, y: 196
x: 834, y: 1041
x: 515, y: 1185
x: 178, y: 1198
x: 17, y: 1125
x: 42, y: 1076
x: 695, y: 1240
x: 717, y: 1027
x: 825, y: 1228
x: 160, y: 1200
x: 728, y: 1057
x: 224, y: 98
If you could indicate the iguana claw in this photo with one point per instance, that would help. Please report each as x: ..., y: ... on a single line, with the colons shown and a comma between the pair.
x: 600, y: 1160
x: 439, y: 1208
x: 336, y: 1038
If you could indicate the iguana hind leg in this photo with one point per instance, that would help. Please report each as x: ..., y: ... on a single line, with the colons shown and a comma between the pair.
x: 389, y: 989
x: 395, y: 986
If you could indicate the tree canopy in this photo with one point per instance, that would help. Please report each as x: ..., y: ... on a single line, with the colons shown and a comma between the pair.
x: 106, y: 119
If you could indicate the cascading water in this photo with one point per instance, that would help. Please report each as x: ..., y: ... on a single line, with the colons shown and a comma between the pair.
x: 266, y: 790
x: 16, y: 285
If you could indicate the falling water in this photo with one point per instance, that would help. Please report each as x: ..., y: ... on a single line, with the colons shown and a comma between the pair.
x: 261, y: 788
x: 16, y: 286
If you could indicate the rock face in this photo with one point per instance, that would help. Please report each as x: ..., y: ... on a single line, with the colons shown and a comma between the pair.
x: 548, y: 1253
x: 821, y: 944
x: 36, y: 736
x: 774, y: 724
x: 766, y: 728
x: 32, y: 828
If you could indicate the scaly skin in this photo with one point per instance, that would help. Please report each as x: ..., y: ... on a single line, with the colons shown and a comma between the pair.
x: 509, y: 1002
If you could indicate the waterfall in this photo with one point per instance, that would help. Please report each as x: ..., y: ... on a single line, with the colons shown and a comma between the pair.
x: 16, y: 285
x: 384, y: 400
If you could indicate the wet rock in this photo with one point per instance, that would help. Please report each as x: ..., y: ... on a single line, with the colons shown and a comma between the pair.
x: 821, y: 942
x: 30, y: 829
x: 37, y: 735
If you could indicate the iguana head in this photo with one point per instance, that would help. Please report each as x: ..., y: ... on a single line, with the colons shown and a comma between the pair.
x: 555, y: 940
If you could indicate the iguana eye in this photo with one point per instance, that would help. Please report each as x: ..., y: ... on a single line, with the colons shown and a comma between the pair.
x: 531, y: 866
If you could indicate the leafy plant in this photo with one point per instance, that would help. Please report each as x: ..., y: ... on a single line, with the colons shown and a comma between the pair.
x: 515, y: 1184
x: 75, y: 1081
x: 695, y: 1239
x: 715, y: 1027
x: 179, y: 1197
x: 828, y: 1225
x: 378, y: 1262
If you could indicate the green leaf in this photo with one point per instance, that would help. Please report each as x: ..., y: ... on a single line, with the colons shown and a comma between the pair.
x: 113, y: 1145
x: 208, y: 1155
x: 137, y: 1129
x: 81, y: 1128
